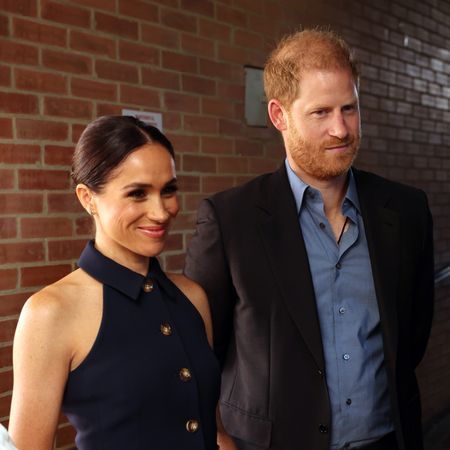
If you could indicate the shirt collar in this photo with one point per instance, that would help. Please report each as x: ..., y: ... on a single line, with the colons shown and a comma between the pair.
x: 298, y: 187
x: 113, y: 274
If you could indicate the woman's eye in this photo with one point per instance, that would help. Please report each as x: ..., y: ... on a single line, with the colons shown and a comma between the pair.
x: 169, y: 190
x: 137, y: 194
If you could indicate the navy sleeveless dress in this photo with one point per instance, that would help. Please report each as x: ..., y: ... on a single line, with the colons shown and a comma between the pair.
x: 150, y: 381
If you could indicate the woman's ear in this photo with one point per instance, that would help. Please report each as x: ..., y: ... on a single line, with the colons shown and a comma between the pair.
x: 277, y: 114
x: 86, y: 198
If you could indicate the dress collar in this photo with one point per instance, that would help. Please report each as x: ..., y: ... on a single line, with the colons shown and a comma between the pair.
x: 113, y: 274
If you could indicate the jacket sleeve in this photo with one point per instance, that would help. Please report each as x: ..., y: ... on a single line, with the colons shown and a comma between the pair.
x: 424, y: 299
x: 206, y: 263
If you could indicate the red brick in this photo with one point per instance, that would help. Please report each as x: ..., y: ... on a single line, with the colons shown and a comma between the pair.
x: 43, y: 179
x: 88, y: 43
x: 203, y: 7
x: 214, y: 69
x: 62, y: 203
x: 246, y: 147
x: 5, y: 403
x: 181, y: 102
x: 106, y: 5
x: 8, y: 279
x: 233, y: 54
x: 213, y: 30
x: 22, y: 7
x: 221, y: 108
x: 12, y: 52
x: 5, y: 352
x: 6, y: 381
x: 197, y: 163
x: 67, y: 107
x: 184, y: 220
x: 31, y: 80
x: 139, y: 96
x: 138, y: 9
x: 232, y: 164
x: 62, y: 13
x: 19, y: 153
x: 172, y: 121
x: 211, y: 184
x: 109, y: 109
x: 39, y: 32
x: 232, y: 16
x: 58, y: 155
x: 77, y: 129
x: 67, y: 62
x: 20, y: 203
x: 8, y: 227
x: 231, y: 91
x: 201, y: 124
x: 129, y: 51
x: 262, y: 165
x: 182, y: 63
x: 4, y: 26
x: 198, y: 85
x: 41, y: 129
x: 84, y: 226
x: 116, y: 71
x: 231, y: 127
x: 247, y: 39
x: 156, y: 35
x: 118, y: 27
x: 198, y: 46
x: 251, y: 6
x: 11, y: 102
x: 11, y: 304
x: 21, y: 252
x: 5, y: 76
x: 192, y: 202
x: 174, y: 262
x: 185, y: 143
x: 7, y: 330
x: 37, y: 276
x: 174, y: 242
x: 63, y: 250
x: 93, y: 89
x: 189, y: 183
x: 178, y: 21
x: 160, y: 78
x: 5, y: 128
x: 217, y: 145
x: 6, y: 179
x: 45, y: 227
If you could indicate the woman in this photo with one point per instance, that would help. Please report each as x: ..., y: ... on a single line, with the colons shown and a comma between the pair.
x: 119, y: 346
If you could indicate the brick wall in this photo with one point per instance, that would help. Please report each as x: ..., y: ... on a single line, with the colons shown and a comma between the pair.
x: 63, y: 63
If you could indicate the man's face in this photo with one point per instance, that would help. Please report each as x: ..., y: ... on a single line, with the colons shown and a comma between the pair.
x: 323, y: 127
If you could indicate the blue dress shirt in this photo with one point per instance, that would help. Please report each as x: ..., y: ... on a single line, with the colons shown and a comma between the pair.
x: 349, y: 318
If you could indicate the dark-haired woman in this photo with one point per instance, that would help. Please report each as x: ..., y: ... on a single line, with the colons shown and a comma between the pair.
x: 122, y: 348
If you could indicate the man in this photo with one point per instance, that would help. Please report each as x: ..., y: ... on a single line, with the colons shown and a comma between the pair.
x: 320, y: 276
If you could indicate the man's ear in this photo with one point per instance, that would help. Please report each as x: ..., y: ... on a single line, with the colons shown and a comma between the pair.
x: 277, y: 114
x: 86, y: 198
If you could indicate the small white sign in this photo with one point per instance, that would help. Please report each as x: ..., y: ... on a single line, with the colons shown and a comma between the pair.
x: 151, y: 118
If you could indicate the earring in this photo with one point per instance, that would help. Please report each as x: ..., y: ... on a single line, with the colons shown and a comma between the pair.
x: 92, y: 212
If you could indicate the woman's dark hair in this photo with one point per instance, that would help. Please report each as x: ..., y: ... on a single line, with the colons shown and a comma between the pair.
x: 106, y: 142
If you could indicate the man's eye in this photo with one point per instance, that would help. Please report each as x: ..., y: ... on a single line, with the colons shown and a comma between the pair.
x: 319, y: 112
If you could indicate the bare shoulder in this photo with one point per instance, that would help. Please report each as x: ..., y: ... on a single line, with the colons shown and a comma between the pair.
x: 195, y: 293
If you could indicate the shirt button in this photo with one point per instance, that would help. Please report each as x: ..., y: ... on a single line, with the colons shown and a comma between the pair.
x: 165, y: 329
x: 338, y: 265
x: 148, y: 286
x: 348, y: 401
x: 320, y: 372
x: 185, y: 374
x: 192, y: 425
x: 323, y: 428
x: 346, y: 356
x: 342, y: 310
x: 322, y: 225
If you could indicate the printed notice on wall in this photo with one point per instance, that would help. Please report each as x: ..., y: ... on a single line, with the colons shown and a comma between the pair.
x: 151, y: 118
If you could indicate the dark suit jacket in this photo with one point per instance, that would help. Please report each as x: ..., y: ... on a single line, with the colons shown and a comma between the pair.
x: 249, y: 255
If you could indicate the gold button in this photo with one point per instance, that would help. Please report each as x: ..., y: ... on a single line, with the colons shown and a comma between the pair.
x: 192, y: 425
x: 185, y: 374
x: 166, y: 329
x: 148, y: 286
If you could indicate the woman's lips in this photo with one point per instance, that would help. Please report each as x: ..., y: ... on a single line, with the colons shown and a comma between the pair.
x: 153, y: 232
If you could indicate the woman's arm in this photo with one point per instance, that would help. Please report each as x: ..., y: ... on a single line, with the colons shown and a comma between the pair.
x: 41, y: 361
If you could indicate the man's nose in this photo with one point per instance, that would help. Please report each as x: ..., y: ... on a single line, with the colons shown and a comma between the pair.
x: 338, y: 127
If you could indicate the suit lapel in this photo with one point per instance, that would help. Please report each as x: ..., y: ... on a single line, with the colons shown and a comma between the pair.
x: 286, y: 253
x: 382, y: 230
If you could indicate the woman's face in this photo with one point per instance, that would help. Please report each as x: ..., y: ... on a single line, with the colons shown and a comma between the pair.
x: 136, y: 206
